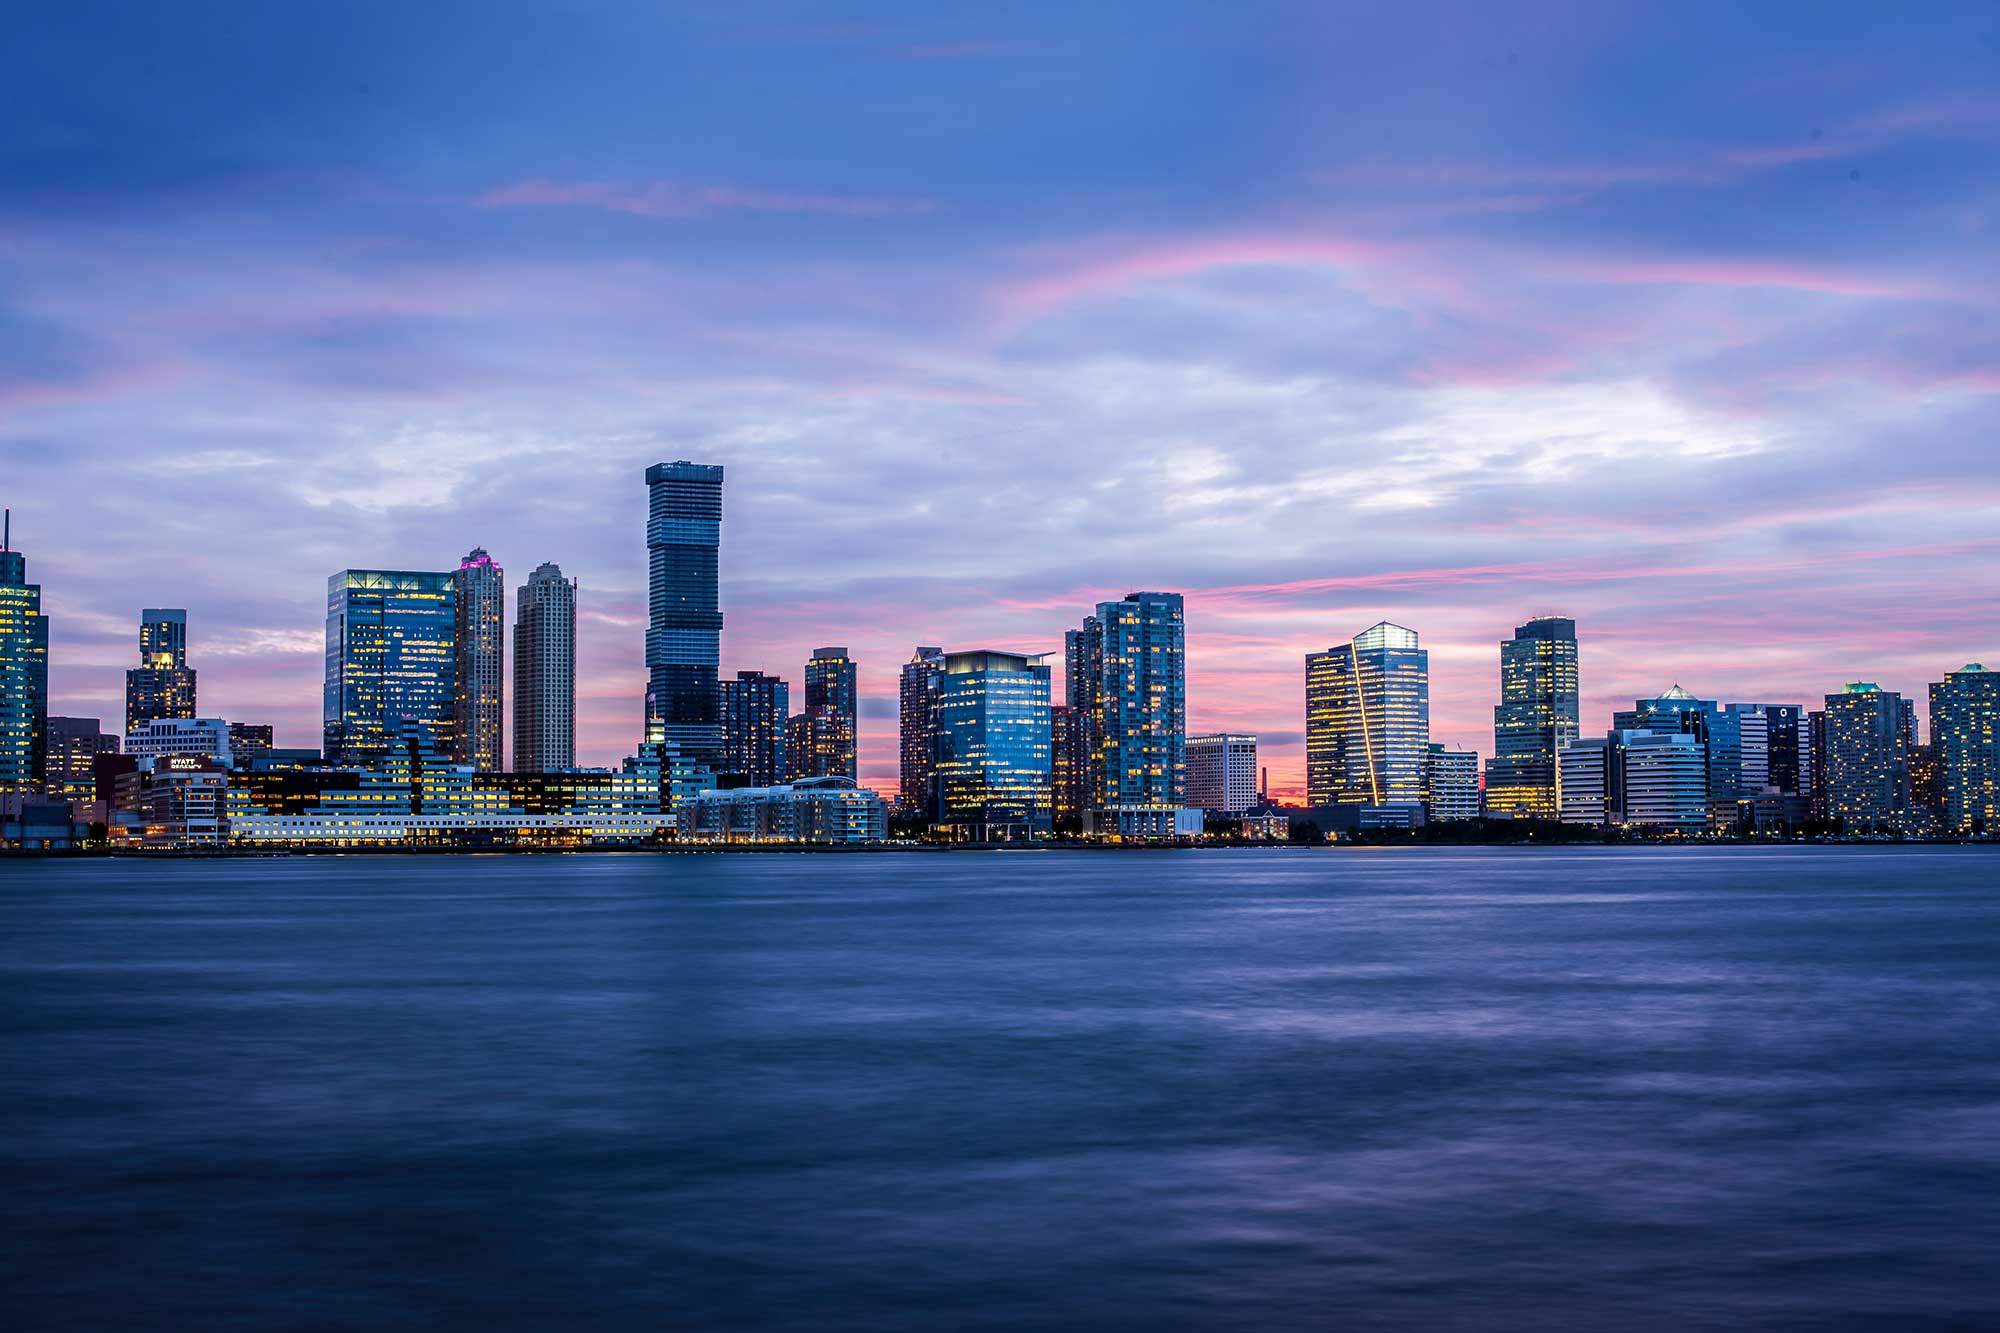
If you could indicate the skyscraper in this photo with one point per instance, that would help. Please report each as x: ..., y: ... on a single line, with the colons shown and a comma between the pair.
x: 1451, y: 784
x: 826, y: 736
x: 1867, y: 759
x: 1774, y: 747
x: 991, y: 732
x: 545, y: 673
x: 24, y: 673
x: 390, y: 659
x: 1535, y: 718
x: 1132, y: 655
x: 684, y: 608
x: 913, y: 713
x: 1222, y: 773
x: 1718, y: 729
x: 479, y: 592
x: 755, y: 709
x: 1069, y: 767
x: 163, y: 684
x: 1368, y: 720
x: 1965, y: 733
x: 1083, y: 684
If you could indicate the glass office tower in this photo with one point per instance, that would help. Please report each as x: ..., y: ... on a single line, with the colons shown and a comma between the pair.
x: 684, y: 608
x: 1368, y: 720
x: 24, y: 674
x: 1129, y: 662
x: 163, y: 684
x: 1720, y: 731
x: 391, y: 655
x: 755, y: 708
x: 991, y: 733
x: 1965, y: 734
x: 1537, y: 716
x: 480, y: 637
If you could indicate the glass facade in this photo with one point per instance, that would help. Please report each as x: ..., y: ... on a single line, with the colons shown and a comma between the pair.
x: 479, y: 638
x: 1965, y: 736
x: 1368, y: 720
x: 913, y: 710
x: 1719, y: 730
x: 163, y: 684
x: 24, y: 677
x: 1135, y: 651
x: 755, y: 708
x: 684, y: 608
x: 545, y: 673
x: 991, y: 733
x: 832, y: 706
x: 390, y: 661
x: 1867, y: 759
x: 1537, y: 716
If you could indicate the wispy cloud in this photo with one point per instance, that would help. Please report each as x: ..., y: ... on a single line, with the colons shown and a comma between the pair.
x: 678, y: 199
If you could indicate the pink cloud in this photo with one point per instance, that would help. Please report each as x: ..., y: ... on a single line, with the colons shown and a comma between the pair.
x: 676, y: 199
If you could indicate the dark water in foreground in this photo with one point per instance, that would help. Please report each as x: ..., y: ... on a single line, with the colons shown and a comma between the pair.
x: 1418, y: 1089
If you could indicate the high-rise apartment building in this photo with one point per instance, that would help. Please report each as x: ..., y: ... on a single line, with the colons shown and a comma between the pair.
x: 24, y: 673
x: 1070, y: 759
x: 1451, y: 784
x: 832, y: 701
x: 1129, y: 665
x: 913, y: 713
x: 391, y: 655
x: 73, y: 744
x: 1222, y: 773
x: 1368, y: 729
x: 755, y: 709
x: 163, y: 684
x: 479, y: 637
x: 1965, y: 734
x: 1867, y: 759
x: 991, y: 733
x: 1536, y: 717
x: 1083, y: 682
x: 684, y: 608
x: 545, y: 673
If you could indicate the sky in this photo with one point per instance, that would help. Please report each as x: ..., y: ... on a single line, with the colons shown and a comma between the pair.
x: 1683, y: 320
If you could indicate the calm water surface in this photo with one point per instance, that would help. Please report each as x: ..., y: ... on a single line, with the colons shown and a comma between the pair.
x: 1412, y: 1089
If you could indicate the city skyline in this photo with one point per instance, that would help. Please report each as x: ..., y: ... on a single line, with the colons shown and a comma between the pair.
x: 1450, y: 342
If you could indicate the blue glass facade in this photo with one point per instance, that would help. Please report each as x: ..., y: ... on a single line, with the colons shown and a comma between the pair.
x: 1368, y: 720
x: 991, y: 738
x: 390, y: 661
x: 1721, y: 734
x: 684, y: 608
x: 755, y: 709
x: 1537, y: 716
x: 1132, y: 659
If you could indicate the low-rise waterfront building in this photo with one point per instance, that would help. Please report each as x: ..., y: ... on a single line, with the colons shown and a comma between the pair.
x: 829, y: 810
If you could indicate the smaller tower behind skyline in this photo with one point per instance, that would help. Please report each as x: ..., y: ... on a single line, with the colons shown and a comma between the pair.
x: 163, y: 684
x: 545, y: 673
x: 755, y: 708
x: 820, y: 742
x: 914, y: 697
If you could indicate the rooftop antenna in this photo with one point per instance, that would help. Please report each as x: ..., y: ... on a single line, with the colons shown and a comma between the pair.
x: 7, y: 532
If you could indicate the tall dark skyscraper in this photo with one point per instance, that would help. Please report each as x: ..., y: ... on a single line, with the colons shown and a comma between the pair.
x: 1083, y: 687
x: 479, y: 593
x: 1069, y: 766
x: 1129, y: 662
x: 390, y: 661
x: 915, y: 696
x: 1536, y: 717
x: 755, y: 709
x: 24, y: 673
x: 1965, y: 737
x: 163, y: 684
x: 684, y: 608
x: 824, y: 735
x: 545, y: 673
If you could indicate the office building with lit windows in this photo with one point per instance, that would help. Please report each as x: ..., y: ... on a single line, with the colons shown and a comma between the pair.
x: 1128, y: 666
x: 1536, y: 717
x: 755, y: 709
x: 832, y: 708
x: 73, y: 744
x: 545, y: 673
x: 391, y: 657
x: 1069, y: 767
x: 249, y: 742
x: 24, y: 674
x: 479, y: 637
x: 1222, y: 773
x: 1867, y: 759
x: 1718, y: 729
x: 684, y: 608
x: 163, y: 684
x: 1368, y: 720
x: 913, y: 723
x: 1451, y: 784
x: 1965, y: 736
x: 991, y: 735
